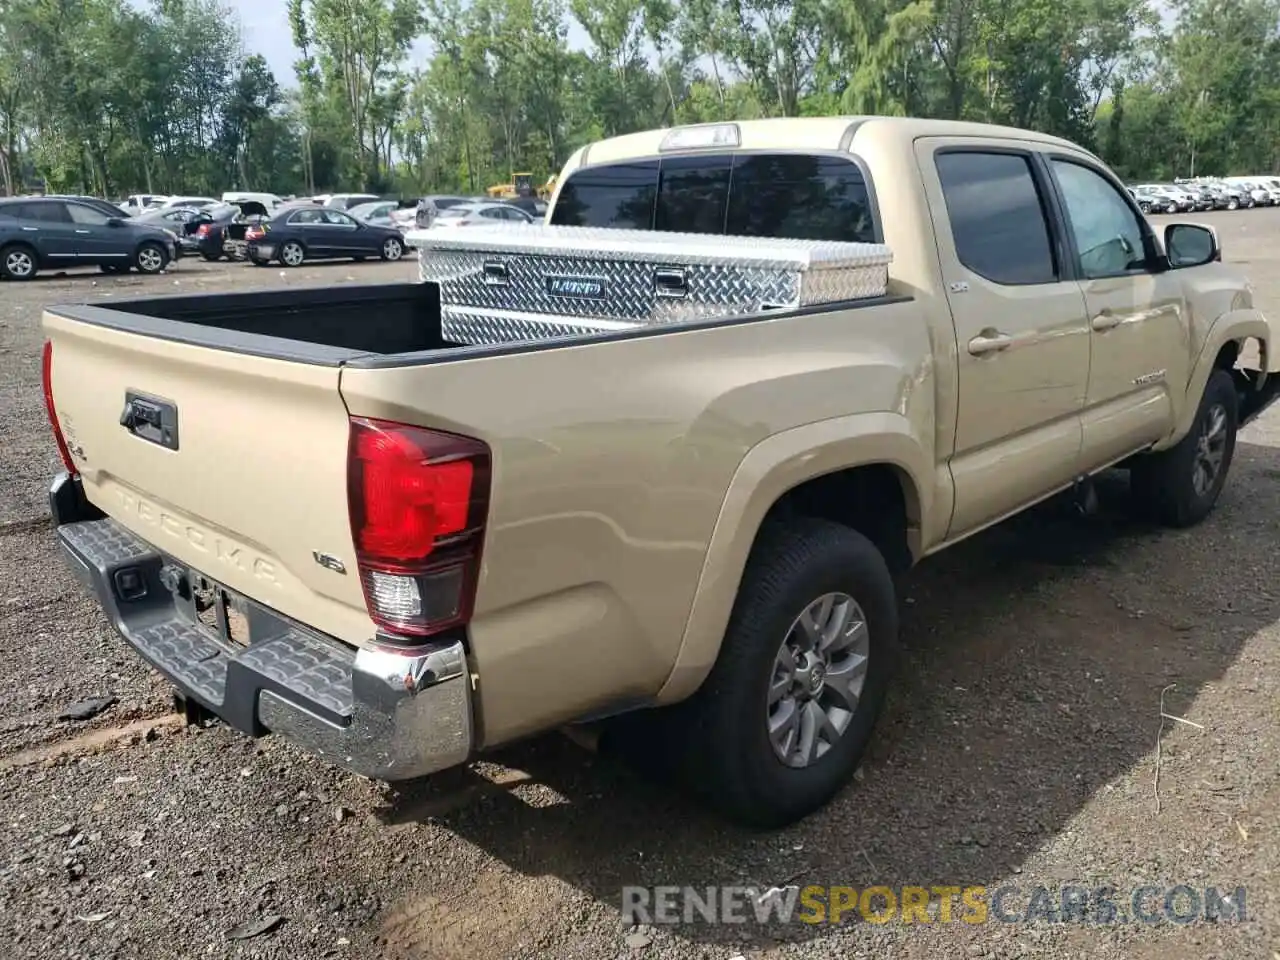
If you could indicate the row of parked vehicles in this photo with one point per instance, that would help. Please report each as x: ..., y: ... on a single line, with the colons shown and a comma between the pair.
x: 1203, y: 193
x: 148, y: 232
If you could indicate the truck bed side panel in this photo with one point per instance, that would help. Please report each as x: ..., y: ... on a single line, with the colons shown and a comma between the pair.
x: 611, y: 463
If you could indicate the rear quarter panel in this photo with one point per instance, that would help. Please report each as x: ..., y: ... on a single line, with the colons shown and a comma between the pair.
x: 612, y: 461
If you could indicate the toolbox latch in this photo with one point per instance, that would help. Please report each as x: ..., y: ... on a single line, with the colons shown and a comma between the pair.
x: 670, y: 282
x: 496, y: 273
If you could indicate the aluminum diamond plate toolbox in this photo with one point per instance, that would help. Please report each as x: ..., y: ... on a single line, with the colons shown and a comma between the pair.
x: 531, y: 282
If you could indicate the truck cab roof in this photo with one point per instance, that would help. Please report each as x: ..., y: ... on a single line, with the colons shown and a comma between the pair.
x: 790, y: 133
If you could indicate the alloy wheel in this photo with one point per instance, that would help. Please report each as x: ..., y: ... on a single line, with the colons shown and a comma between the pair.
x: 817, y: 679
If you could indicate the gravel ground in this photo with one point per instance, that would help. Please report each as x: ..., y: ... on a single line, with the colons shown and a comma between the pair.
x: 1019, y: 748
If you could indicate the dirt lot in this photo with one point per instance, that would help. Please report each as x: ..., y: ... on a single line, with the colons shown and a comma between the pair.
x: 1019, y: 748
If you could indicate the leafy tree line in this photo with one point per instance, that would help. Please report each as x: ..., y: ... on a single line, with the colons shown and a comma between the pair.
x: 109, y: 97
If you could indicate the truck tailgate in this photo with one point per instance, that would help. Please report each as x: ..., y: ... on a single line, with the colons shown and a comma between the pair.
x: 242, y: 476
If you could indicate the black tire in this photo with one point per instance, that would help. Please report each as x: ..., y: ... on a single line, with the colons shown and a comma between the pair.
x: 1145, y: 207
x: 728, y: 758
x: 1163, y: 485
x: 212, y: 257
x: 1232, y: 204
x: 19, y: 262
x: 392, y: 249
x: 150, y: 258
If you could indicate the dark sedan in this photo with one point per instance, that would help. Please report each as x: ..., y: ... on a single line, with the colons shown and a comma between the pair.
x: 320, y: 233
x: 43, y: 233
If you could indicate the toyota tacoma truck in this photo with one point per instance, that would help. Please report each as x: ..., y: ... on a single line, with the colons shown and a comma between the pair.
x: 578, y: 476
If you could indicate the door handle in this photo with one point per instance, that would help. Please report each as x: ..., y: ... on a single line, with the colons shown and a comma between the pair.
x: 1105, y: 320
x: 31, y: 229
x: 989, y: 342
x: 82, y: 231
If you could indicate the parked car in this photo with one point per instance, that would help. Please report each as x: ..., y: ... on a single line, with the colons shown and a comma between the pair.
x: 183, y: 221
x: 224, y: 235
x: 1150, y: 202
x: 43, y: 233
x: 138, y: 202
x: 429, y: 207
x: 377, y: 212
x: 1227, y: 196
x: 186, y: 201
x: 344, y: 201
x: 268, y: 200
x: 1253, y: 195
x: 1182, y: 199
x: 693, y: 468
x: 318, y: 233
x: 481, y: 212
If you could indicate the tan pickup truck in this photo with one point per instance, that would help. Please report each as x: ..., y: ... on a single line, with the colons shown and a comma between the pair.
x: 351, y: 517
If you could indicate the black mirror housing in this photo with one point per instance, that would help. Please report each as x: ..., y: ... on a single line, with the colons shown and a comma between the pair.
x: 1190, y: 245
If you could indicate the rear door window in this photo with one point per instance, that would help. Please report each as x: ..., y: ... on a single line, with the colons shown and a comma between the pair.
x: 997, y: 216
x: 45, y: 211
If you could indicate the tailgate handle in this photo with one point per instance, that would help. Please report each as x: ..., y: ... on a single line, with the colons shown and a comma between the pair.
x: 151, y: 419
x: 670, y: 282
x: 496, y: 273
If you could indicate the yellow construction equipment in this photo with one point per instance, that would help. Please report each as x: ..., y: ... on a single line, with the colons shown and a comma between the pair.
x: 521, y: 185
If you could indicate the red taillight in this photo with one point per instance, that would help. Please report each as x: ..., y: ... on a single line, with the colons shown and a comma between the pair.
x: 202, y: 230
x: 418, y: 500
x: 46, y: 374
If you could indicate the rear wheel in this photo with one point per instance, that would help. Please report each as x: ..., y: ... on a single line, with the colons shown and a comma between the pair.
x: 1232, y: 203
x: 783, y: 719
x: 212, y: 257
x: 18, y: 262
x: 392, y: 249
x: 1178, y: 487
x: 292, y: 254
x: 150, y: 258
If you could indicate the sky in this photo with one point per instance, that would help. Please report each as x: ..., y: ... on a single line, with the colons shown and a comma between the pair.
x: 266, y: 31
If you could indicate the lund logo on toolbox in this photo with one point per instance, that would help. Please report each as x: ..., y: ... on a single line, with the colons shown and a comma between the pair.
x: 580, y: 288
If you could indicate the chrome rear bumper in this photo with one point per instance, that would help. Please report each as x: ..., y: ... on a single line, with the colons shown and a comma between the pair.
x: 382, y: 713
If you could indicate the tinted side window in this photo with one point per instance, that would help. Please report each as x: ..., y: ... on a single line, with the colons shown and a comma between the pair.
x: 801, y: 196
x: 997, y: 217
x: 693, y: 194
x: 617, y: 195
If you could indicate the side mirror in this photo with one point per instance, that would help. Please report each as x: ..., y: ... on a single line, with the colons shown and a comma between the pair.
x: 115, y: 222
x: 1190, y: 245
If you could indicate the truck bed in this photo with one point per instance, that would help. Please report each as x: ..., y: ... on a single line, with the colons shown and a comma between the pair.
x: 320, y: 325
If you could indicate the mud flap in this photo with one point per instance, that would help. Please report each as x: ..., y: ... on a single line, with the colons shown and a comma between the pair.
x: 1257, y: 392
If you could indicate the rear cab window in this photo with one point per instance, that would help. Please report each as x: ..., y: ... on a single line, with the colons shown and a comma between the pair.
x: 742, y: 193
x: 998, y: 218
